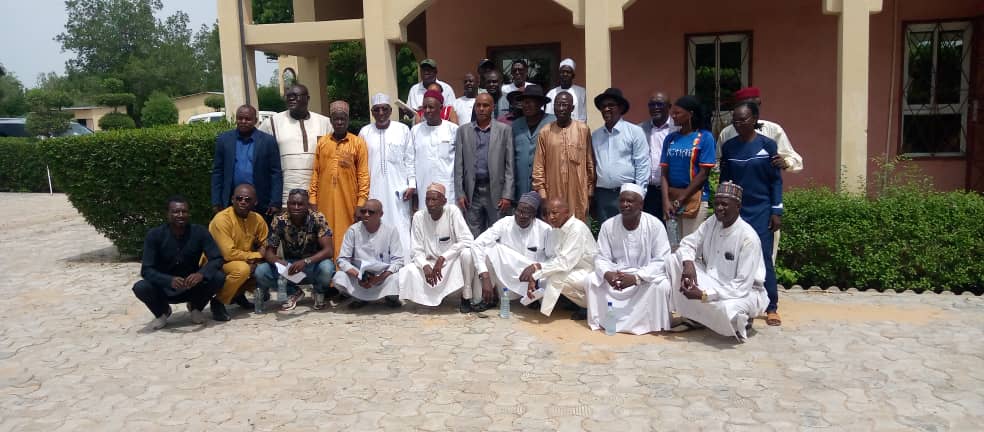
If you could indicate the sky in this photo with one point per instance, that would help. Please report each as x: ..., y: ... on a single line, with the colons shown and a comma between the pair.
x: 33, y: 25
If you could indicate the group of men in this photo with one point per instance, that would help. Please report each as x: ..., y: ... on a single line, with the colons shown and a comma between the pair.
x: 477, y: 231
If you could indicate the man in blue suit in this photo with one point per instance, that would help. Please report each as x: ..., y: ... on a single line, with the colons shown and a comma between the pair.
x: 247, y: 155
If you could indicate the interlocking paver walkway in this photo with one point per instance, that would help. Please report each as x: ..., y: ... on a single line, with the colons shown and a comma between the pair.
x: 75, y: 354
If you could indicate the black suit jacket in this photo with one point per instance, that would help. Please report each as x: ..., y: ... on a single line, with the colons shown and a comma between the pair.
x: 268, y: 177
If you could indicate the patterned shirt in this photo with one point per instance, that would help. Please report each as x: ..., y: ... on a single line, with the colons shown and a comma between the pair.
x: 299, y: 241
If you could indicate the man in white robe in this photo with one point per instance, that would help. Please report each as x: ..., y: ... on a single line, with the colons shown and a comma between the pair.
x: 433, y: 141
x: 297, y: 131
x: 463, y: 105
x: 570, y: 249
x: 718, y: 272
x: 392, y: 177
x: 580, y: 111
x: 441, y: 254
x: 508, y: 247
x: 370, y: 258
x: 630, y: 271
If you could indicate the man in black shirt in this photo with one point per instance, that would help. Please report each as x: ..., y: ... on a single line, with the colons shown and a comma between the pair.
x: 170, y: 270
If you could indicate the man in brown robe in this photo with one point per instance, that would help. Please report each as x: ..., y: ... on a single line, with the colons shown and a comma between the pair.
x: 564, y: 165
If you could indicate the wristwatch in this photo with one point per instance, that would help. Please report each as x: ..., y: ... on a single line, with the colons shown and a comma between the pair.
x: 307, y: 261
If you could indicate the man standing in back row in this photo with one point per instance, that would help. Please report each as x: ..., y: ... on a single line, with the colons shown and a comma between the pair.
x: 245, y: 155
x: 297, y: 131
x: 483, y: 167
x: 580, y: 110
x: 621, y: 153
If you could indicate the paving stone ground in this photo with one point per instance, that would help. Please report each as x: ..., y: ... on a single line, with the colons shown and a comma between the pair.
x: 76, y: 355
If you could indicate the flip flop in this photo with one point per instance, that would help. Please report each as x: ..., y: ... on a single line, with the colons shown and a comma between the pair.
x: 685, y: 326
x: 772, y: 319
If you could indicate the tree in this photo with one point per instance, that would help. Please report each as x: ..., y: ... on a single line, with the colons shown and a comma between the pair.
x: 115, y: 100
x: 270, y: 99
x: 347, y: 79
x: 105, y: 34
x: 273, y: 11
x: 116, y: 120
x: 208, y: 57
x: 216, y: 102
x: 12, y: 102
x: 159, y: 110
x: 46, y: 117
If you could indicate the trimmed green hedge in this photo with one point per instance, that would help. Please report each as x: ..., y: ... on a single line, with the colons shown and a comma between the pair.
x: 22, y: 167
x: 906, y: 239
x: 119, y: 180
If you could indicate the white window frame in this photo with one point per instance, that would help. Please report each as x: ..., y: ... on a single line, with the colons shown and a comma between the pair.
x: 928, y: 109
x: 719, y: 119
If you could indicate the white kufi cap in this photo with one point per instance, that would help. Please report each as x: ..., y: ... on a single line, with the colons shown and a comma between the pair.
x: 380, y: 99
x: 632, y: 187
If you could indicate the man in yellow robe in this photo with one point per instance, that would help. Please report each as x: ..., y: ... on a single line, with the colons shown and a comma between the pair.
x: 564, y: 165
x: 239, y: 233
x: 340, y: 180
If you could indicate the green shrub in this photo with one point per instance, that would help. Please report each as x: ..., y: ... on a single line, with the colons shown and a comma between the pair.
x: 159, y: 110
x: 22, y: 167
x: 908, y: 239
x: 216, y: 102
x: 116, y: 121
x: 119, y: 180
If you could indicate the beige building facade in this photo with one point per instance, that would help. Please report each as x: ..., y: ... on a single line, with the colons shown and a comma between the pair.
x: 89, y: 116
x: 194, y: 104
x: 835, y: 73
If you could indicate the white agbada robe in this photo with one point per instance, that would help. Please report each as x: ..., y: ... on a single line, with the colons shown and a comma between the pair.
x: 449, y: 237
x: 641, y: 308
x: 463, y: 107
x: 415, y: 97
x: 505, y: 249
x: 579, y: 111
x: 391, y: 172
x: 730, y: 271
x: 570, y: 252
x: 370, y: 252
x: 434, y: 157
x: 296, y: 161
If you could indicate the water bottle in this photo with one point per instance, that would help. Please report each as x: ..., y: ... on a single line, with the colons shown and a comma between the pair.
x: 258, y: 301
x: 673, y: 231
x: 281, y: 289
x: 504, y: 304
x: 610, y: 320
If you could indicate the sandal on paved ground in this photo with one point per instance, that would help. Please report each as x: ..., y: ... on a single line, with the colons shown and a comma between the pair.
x: 685, y: 326
x: 772, y: 319
x: 292, y: 300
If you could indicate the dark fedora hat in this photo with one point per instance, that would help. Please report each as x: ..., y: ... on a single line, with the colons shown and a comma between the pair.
x: 534, y: 91
x: 613, y: 93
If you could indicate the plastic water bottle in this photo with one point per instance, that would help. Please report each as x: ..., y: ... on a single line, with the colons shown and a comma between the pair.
x: 504, y: 304
x: 281, y: 289
x: 610, y: 320
x: 258, y: 301
x: 674, y: 231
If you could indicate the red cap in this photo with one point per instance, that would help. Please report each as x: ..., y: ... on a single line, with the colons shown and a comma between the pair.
x: 434, y: 94
x: 747, y: 92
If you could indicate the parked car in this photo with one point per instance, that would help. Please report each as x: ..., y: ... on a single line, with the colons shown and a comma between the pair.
x: 221, y: 115
x: 14, y: 127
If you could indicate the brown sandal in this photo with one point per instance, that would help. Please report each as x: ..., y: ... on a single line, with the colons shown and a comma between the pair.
x: 772, y: 319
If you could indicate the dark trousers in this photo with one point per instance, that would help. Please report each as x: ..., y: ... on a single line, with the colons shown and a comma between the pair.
x: 157, y: 299
x: 605, y: 204
x: 771, y: 286
x: 653, y: 204
x: 482, y: 210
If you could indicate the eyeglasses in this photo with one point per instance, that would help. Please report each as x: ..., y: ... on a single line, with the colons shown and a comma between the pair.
x: 658, y: 104
x: 380, y: 109
x: 290, y: 96
x: 367, y: 212
x: 242, y: 198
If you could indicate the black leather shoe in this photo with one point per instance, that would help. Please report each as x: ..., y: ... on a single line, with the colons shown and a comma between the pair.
x: 393, y: 302
x: 580, y: 315
x: 243, y: 302
x: 219, y: 312
x: 481, y: 307
x: 357, y: 304
x: 465, y: 306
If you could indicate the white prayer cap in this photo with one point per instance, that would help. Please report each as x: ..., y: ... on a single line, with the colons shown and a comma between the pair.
x: 568, y: 62
x: 380, y: 99
x: 632, y: 187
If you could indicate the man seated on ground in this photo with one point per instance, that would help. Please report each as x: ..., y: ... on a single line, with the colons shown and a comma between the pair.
x: 441, y: 251
x: 570, y: 251
x: 371, y: 255
x: 507, y: 248
x: 170, y: 269
x: 630, y: 269
x: 718, y: 273
x: 307, y: 247
x: 239, y: 233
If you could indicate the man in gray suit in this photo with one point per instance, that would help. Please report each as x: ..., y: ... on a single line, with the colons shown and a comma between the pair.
x: 483, y: 167
x: 656, y: 129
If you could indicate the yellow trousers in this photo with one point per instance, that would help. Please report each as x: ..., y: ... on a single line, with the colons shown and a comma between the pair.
x: 238, y: 279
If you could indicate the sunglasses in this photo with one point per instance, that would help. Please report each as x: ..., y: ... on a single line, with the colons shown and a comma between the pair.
x: 241, y: 198
x: 367, y: 212
x: 658, y: 104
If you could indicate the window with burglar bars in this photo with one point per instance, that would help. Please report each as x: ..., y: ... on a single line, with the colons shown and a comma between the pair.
x: 936, y: 89
x: 717, y: 67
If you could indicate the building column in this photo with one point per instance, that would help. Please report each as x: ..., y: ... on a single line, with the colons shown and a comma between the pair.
x: 313, y: 73
x: 238, y: 62
x: 380, y: 53
x: 852, y: 89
